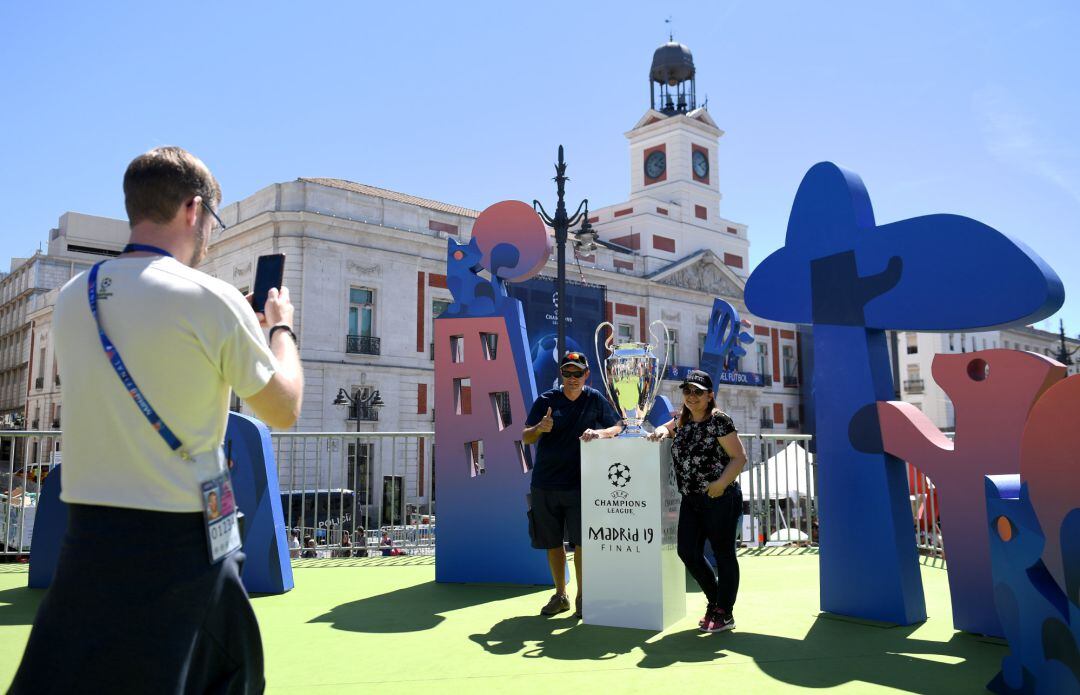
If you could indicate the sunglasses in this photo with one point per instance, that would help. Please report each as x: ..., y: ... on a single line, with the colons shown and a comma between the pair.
x: 572, y: 374
x: 692, y: 391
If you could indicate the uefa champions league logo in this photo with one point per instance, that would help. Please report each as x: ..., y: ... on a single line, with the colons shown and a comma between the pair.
x: 618, y: 474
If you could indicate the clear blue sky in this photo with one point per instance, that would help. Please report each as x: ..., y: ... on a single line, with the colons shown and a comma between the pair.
x: 961, y: 107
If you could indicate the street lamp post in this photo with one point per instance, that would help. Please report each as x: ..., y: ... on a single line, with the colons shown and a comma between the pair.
x: 372, y: 400
x: 561, y: 224
x: 1064, y: 354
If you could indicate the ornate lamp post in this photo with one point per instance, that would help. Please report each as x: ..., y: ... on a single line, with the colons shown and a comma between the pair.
x: 584, y: 238
x: 1064, y: 353
x: 374, y: 401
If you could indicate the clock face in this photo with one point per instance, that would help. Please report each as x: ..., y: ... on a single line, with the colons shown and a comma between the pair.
x: 655, y: 164
x: 701, y: 164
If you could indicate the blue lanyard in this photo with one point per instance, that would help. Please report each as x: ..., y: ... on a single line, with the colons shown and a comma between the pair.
x: 118, y: 364
x: 147, y: 248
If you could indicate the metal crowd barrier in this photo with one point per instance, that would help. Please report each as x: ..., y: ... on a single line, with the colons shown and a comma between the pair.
x: 779, y: 487
x: 367, y: 494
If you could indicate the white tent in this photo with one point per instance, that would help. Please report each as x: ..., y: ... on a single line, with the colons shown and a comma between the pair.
x: 782, y: 476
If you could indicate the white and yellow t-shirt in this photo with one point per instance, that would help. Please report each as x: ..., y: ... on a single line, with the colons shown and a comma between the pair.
x: 186, y: 338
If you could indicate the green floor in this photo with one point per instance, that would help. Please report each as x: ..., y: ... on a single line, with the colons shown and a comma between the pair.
x: 383, y: 625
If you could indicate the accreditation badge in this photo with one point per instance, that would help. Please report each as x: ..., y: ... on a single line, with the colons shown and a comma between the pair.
x: 219, y: 515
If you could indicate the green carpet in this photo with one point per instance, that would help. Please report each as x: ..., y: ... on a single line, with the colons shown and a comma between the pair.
x: 383, y: 625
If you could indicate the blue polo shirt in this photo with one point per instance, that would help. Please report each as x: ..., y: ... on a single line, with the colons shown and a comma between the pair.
x: 558, y: 452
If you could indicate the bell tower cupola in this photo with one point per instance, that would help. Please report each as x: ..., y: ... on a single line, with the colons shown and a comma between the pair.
x: 672, y: 69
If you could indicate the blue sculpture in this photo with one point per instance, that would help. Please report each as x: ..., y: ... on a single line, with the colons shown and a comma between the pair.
x: 853, y: 280
x: 251, y: 459
x: 722, y: 340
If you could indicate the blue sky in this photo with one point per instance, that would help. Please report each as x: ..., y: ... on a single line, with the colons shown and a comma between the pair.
x: 959, y: 107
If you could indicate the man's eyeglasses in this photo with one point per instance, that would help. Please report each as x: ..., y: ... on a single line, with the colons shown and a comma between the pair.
x: 220, y: 225
x: 572, y: 374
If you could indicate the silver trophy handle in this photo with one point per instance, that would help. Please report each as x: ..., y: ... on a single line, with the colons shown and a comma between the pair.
x: 599, y: 360
x: 663, y: 370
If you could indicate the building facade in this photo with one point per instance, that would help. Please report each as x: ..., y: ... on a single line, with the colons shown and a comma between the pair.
x: 914, y: 355
x: 74, y: 245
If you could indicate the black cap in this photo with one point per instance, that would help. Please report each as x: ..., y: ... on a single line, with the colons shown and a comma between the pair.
x: 575, y: 359
x: 699, y: 379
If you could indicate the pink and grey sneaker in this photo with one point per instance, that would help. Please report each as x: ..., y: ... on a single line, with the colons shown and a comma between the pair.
x: 718, y: 620
x: 708, y: 613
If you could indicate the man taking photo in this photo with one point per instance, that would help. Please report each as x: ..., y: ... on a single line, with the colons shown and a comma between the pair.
x: 559, y: 420
x: 147, y: 594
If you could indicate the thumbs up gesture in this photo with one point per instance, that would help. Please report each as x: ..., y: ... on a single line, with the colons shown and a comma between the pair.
x: 546, y: 423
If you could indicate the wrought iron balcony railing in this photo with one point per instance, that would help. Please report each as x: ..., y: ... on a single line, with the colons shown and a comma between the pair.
x: 362, y: 344
x: 766, y: 424
x: 363, y: 413
x: 913, y: 385
x: 791, y: 381
x: 793, y: 424
x: 39, y: 383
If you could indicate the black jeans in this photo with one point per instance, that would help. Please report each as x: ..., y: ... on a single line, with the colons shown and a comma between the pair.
x: 704, y: 518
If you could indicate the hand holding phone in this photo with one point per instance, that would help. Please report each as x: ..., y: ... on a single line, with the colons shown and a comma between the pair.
x: 269, y: 273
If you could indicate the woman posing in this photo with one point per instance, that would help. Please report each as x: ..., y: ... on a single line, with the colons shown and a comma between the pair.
x: 707, y: 457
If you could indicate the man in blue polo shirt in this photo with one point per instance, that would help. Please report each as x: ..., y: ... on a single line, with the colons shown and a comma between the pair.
x: 559, y: 420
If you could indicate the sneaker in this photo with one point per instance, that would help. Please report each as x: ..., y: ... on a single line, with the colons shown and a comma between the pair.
x: 718, y: 621
x: 708, y: 613
x: 559, y: 603
x: 577, y: 605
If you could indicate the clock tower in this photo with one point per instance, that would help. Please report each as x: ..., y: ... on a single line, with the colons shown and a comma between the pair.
x: 673, y: 146
x: 674, y: 206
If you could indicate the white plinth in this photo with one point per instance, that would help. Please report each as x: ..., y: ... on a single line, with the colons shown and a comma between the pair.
x: 629, y: 516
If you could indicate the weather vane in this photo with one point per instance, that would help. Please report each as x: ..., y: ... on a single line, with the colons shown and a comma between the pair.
x: 669, y: 22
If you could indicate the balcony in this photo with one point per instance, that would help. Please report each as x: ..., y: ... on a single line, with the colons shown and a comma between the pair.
x: 34, y: 424
x: 791, y: 381
x: 56, y: 424
x: 56, y: 379
x: 913, y: 385
x: 766, y: 424
x: 792, y: 424
x: 39, y: 383
x: 363, y: 413
x: 362, y: 345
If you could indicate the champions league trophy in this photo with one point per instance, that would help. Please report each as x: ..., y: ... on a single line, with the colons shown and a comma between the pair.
x: 631, y: 378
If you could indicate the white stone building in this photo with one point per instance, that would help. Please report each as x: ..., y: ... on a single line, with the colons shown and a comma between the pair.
x: 74, y: 245
x: 366, y: 270
x: 914, y: 356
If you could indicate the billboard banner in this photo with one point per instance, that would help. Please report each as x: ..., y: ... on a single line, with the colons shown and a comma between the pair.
x: 726, y: 376
x: 584, y: 310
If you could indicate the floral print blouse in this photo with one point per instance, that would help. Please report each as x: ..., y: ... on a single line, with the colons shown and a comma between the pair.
x: 697, y: 457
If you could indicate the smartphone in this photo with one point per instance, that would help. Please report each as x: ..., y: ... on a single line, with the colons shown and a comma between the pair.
x: 270, y: 272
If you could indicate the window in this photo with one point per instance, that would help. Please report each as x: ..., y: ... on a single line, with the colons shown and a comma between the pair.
x: 438, y: 306
x: 700, y: 346
x: 626, y: 333
x: 788, y: 353
x: 361, y: 312
x: 763, y: 361
x: 912, y: 343
x: 672, y: 346
x: 393, y: 507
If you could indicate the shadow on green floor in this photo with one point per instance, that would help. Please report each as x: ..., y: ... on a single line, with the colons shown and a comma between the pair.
x: 18, y: 606
x: 832, y: 653
x: 416, y: 608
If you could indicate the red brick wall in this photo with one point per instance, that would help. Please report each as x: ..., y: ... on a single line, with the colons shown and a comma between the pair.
x: 775, y: 355
x: 700, y: 212
x: 421, y: 399
x: 732, y: 260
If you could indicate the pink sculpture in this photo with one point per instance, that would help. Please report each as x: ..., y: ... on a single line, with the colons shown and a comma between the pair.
x: 993, y: 392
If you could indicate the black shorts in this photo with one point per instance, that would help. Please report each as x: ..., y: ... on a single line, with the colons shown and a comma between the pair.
x: 555, y: 516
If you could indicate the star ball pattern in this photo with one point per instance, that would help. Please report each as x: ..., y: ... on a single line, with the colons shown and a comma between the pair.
x: 618, y: 474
